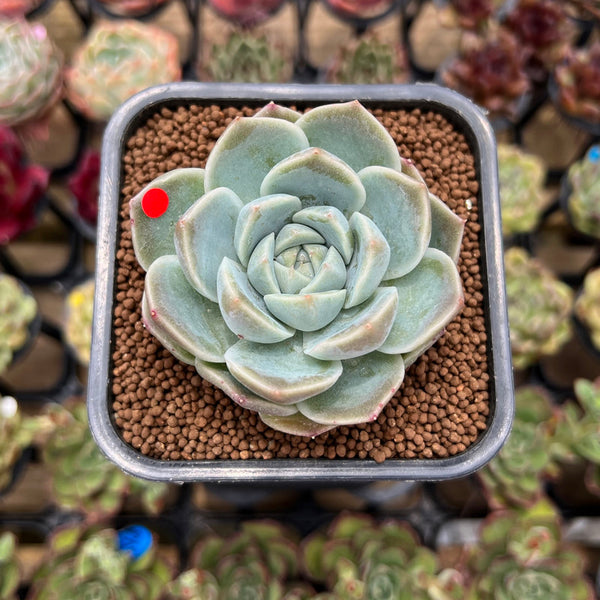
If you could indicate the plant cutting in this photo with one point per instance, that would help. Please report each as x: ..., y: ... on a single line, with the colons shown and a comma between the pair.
x: 117, y: 60
x: 369, y: 60
x: 581, y: 189
x: 18, y: 323
x: 521, y: 189
x: 30, y: 72
x: 208, y: 423
x: 539, y: 308
x: 285, y: 283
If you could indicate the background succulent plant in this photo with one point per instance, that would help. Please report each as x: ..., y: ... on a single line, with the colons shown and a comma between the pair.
x: 577, y: 78
x: 78, y: 325
x: 89, y: 564
x: 357, y: 558
x: 369, y: 60
x: 10, y: 572
x: 30, y: 71
x: 21, y: 187
x: 491, y: 71
x: 258, y: 561
x: 18, y: 309
x: 246, y: 13
x: 515, y: 476
x: 584, y: 199
x: 16, y: 433
x: 82, y: 479
x: 539, y: 308
x: 117, y: 60
x: 313, y: 266
x: 521, y: 189
x: 247, y: 57
x: 521, y: 554
x: 84, y: 185
x: 587, y: 306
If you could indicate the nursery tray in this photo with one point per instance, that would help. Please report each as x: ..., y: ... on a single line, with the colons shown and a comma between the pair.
x: 466, y: 118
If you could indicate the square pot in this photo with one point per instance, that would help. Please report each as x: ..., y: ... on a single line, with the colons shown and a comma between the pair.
x: 464, y: 117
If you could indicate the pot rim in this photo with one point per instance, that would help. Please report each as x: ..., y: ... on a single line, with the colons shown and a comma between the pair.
x: 463, y: 114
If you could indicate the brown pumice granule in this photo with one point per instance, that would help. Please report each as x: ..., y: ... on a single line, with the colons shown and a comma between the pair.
x: 166, y: 410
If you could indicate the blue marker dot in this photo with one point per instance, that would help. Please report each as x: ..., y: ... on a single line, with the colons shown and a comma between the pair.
x: 135, y: 539
x: 594, y: 154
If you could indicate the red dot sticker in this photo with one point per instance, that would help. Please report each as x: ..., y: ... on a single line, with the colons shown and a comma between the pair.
x: 155, y: 203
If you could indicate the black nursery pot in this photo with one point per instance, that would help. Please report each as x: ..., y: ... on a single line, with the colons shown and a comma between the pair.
x: 466, y: 118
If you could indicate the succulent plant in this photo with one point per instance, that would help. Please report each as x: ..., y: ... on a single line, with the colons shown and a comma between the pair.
x: 10, y: 571
x: 246, y: 13
x: 17, y: 8
x: 302, y: 268
x: 516, y: 475
x: 247, y: 57
x: 16, y: 433
x: 583, y: 203
x: 359, y: 559
x: 369, y: 60
x: 491, y: 71
x: 82, y: 479
x: 84, y: 185
x: 521, y: 189
x: 30, y: 71
x: 92, y: 564
x: 539, y: 308
x: 521, y: 554
x: 132, y: 8
x: 473, y: 14
x: 21, y: 188
x: 117, y: 60
x: 17, y: 310
x: 258, y: 561
x: 78, y: 325
x: 578, y: 81
x: 587, y: 306
x: 542, y: 27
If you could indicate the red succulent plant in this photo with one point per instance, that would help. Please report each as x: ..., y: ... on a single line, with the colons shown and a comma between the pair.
x: 360, y: 9
x: 84, y: 186
x: 472, y: 14
x: 578, y: 80
x: 21, y: 188
x: 246, y: 13
x: 491, y: 72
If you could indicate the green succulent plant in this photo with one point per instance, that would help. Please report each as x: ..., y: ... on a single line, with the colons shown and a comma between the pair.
x: 521, y: 554
x: 303, y: 269
x: 88, y: 564
x: 17, y: 310
x: 16, y: 433
x: 117, y: 60
x: 78, y: 325
x: 516, y: 476
x: 539, y: 308
x: 587, y: 306
x: 247, y: 57
x: 10, y: 571
x: 30, y: 71
x: 82, y: 479
x: 258, y: 561
x: 359, y: 559
x: 369, y: 60
x: 521, y: 189
x: 584, y: 200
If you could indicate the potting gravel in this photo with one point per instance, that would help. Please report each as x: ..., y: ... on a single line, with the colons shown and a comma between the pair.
x: 167, y: 411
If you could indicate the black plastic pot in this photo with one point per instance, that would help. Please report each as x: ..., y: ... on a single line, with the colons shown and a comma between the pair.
x: 467, y: 118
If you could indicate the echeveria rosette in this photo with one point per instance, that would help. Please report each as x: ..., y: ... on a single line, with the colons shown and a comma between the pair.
x: 303, y: 269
